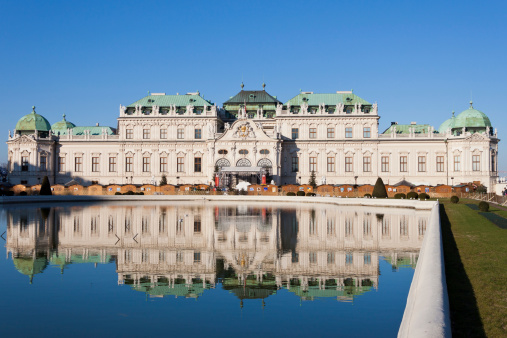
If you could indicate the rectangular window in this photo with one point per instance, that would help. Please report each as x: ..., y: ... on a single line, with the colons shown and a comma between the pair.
x: 295, y: 133
x: 440, y: 164
x: 197, y: 134
x: 129, y: 164
x: 146, y: 134
x: 163, y: 133
x: 197, y: 164
x: 112, y: 164
x: 181, y: 133
x: 330, y: 132
x: 146, y: 165
x: 61, y: 164
x: 197, y: 223
x: 129, y: 134
x: 197, y: 257
x: 95, y: 164
x: 384, y: 161
x: 367, y: 164
x: 43, y: 163
x: 163, y: 164
x: 348, y: 132
x: 457, y: 163
x: 403, y: 164
x: 78, y: 164
x: 330, y: 164
x: 348, y: 164
x: 24, y: 163
x: 313, y: 132
x: 421, y: 163
x: 180, y: 164
x: 295, y: 164
x: 313, y: 164
x: 366, y: 132
x: 476, y: 162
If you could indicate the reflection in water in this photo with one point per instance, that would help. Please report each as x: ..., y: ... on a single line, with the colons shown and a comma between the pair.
x: 250, y: 250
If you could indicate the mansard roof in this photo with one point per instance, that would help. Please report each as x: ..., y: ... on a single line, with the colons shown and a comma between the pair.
x: 347, y: 98
x: 252, y: 96
x: 163, y: 100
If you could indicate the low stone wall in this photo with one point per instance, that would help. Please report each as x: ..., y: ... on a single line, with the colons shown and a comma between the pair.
x: 427, y: 310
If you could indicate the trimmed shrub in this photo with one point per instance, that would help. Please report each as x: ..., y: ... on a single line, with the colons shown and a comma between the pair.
x: 163, y: 181
x: 45, y: 188
x: 311, y: 194
x: 379, y: 190
x: 129, y: 193
x: 22, y: 193
x: 412, y: 195
x: 117, y: 193
x: 290, y: 193
x: 367, y: 195
x: 424, y: 196
x: 454, y: 199
x: 300, y: 193
x: 400, y: 196
x: 484, y: 206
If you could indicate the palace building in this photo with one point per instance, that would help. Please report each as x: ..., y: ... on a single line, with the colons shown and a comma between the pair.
x: 190, y: 140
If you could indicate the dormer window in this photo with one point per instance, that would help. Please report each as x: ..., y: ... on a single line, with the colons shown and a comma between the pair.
x: 366, y: 110
x: 349, y: 110
x: 330, y: 111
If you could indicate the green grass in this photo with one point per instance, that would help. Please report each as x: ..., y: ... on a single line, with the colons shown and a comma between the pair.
x: 475, y: 253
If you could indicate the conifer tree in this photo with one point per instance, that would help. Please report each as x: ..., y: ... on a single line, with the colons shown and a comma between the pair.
x: 163, y: 181
x: 45, y: 188
x: 313, y: 180
x: 379, y: 191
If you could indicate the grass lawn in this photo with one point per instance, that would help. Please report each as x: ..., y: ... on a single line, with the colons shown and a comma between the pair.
x: 476, y: 268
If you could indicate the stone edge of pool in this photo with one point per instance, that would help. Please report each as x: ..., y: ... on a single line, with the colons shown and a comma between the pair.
x: 427, y: 309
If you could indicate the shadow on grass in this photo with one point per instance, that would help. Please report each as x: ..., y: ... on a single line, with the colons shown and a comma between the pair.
x: 465, y: 318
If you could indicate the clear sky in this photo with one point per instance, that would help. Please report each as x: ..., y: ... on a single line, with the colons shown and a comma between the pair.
x: 418, y: 60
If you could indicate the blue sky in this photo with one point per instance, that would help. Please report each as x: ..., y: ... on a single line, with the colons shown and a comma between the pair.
x: 418, y: 60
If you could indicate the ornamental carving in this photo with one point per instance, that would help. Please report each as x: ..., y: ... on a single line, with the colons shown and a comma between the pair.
x: 244, y: 131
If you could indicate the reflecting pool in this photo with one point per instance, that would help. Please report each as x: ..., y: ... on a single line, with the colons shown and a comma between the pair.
x: 207, y: 268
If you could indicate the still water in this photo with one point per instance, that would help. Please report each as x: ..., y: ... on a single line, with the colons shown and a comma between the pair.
x: 212, y: 269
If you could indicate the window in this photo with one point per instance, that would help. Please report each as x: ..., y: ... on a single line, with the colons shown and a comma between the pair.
x: 197, y: 134
x: 349, y: 110
x: 264, y: 152
x: 313, y: 132
x: 366, y: 132
x: 197, y: 223
x: 61, y: 164
x: 112, y: 164
x: 197, y: 165
x: 197, y: 257
x: 163, y: 164
x: 330, y: 258
x: 330, y: 132
x: 403, y: 164
x: 180, y: 163
x: 222, y: 152
x: 43, y: 163
x: 243, y: 152
x: 95, y: 164
x: 295, y: 164
x: 330, y: 164
x: 384, y: 164
x: 366, y: 164
x: 163, y: 133
x: 493, y: 162
x: 313, y: 164
x: 146, y: 134
x: 181, y: 133
x: 476, y: 162
x: 348, y: 132
x: 457, y: 163
x: 295, y: 133
x: 440, y: 164
x: 129, y: 134
x: 24, y: 163
x: 129, y: 163
x: 348, y: 164
x: 421, y: 163
x: 78, y: 164
x: 146, y: 165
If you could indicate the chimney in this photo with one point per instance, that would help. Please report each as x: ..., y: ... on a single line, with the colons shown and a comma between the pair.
x: 97, y: 124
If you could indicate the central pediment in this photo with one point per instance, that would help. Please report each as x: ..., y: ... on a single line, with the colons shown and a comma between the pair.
x: 245, y: 130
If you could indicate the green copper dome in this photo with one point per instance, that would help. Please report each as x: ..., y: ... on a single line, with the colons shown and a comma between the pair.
x: 33, y: 122
x: 472, y: 118
x: 62, y: 125
x: 448, y: 124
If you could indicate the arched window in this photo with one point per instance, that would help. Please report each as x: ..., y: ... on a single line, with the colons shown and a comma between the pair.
x: 264, y: 152
x: 223, y: 163
x: 265, y: 163
x: 243, y: 163
x: 243, y: 152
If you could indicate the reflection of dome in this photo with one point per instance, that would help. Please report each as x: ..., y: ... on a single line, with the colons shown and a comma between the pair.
x: 30, y: 266
x: 62, y: 125
x: 33, y: 122
x: 472, y: 118
x: 251, y: 289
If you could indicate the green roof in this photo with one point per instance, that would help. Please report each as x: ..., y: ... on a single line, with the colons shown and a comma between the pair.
x: 94, y: 130
x: 447, y: 124
x: 32, y: 122
x: 62, y: 125
x: 471, y: 118
x: 169, y: 100
x: 347, y: 98
x: 404, y: 128
x: 252, y: 97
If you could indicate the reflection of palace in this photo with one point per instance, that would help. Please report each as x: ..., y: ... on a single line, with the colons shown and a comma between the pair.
x: 253, y: 250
